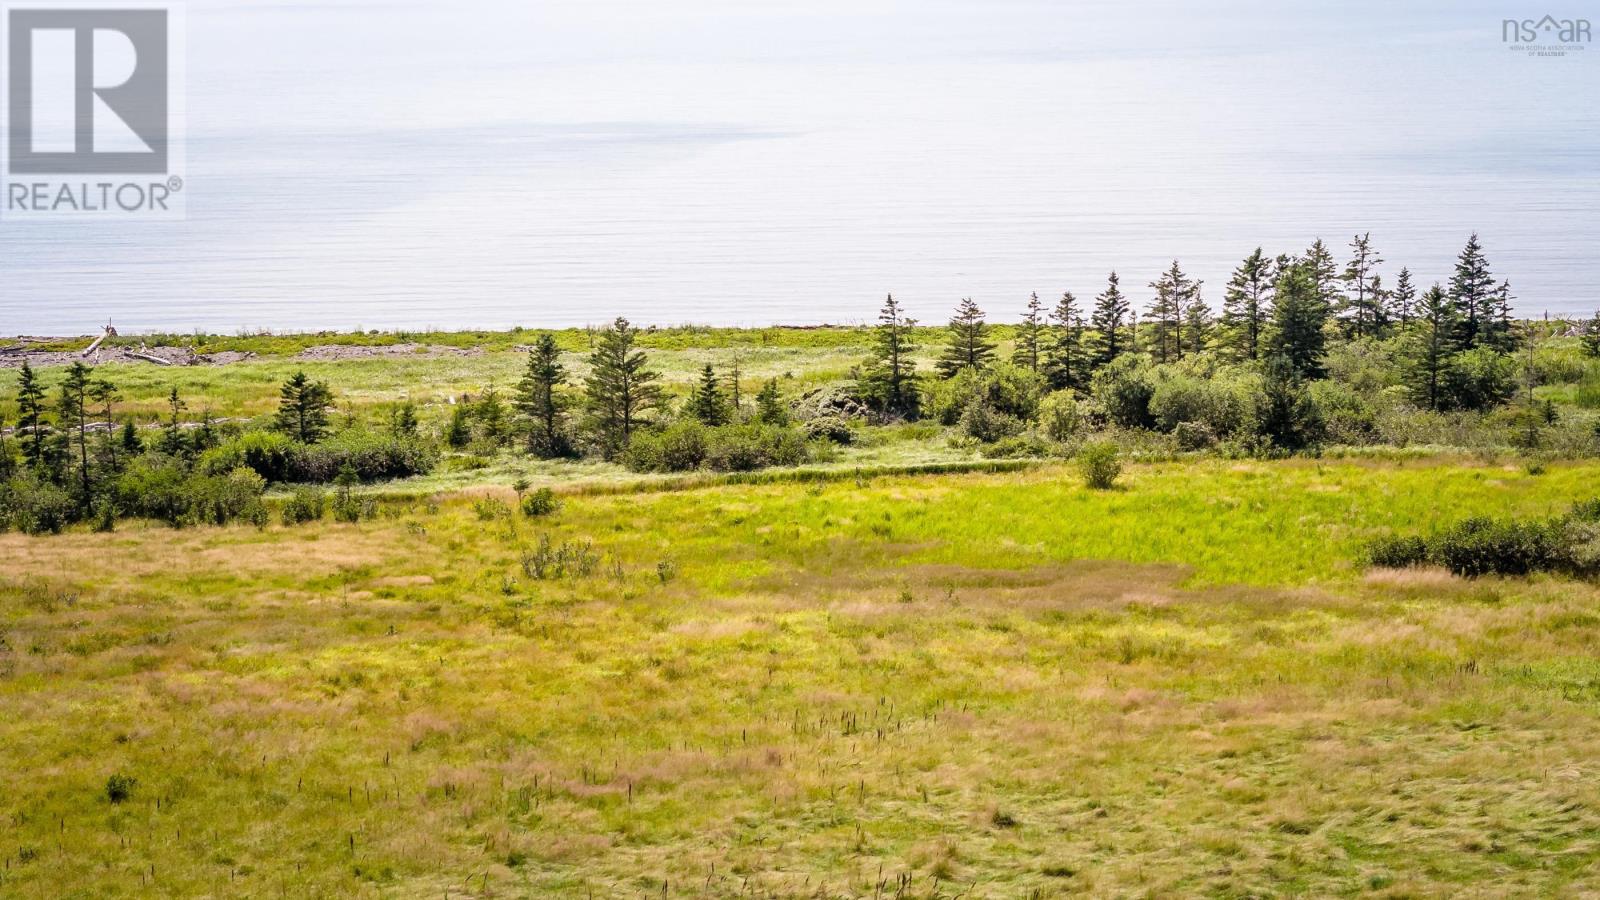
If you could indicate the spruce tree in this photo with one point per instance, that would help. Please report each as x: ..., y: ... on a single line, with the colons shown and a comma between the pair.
x: 1362, y: 312
x: 1497, y: 331
x: 769, y: 405
x: 1324, y: 274
x: 302, y: 408
x: 1065, y: 364
x: 540, y: 402
x: 1472, y: 292
x: 30, y: 416
x: 621, y: 389
x: 1196, y: 322
x: 969, y: 347
x: 72, y: 411
x: 1031, y: 348
x: 889, y: 382
x: 1591, y: 336
x: 172, y: 442
x: 706, y: 402
x: 1299, y: 313
x: 1174, y: 293
x: 1403, y: 299
x: 1431, y: 348
x: 105, y: 394
x: 1244, y: 306
x: 1110, y: 311
x: 490, y: 411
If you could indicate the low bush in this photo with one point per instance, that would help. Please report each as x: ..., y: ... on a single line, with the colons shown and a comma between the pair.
x: 688, y: 445
x: 372, y: 456
x: 1025, y: 446
x: 1397, y: 552
x: 267, y: 453
x: 1481, y: 546
x: 304, y: 505
x: 220, y: 499
x: 34, y: 506
x: 540, y: 503
x: 829, y: 428
x: 1100, y: 465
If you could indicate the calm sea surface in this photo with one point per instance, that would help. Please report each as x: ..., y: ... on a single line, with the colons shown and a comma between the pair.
x: 389, y: 165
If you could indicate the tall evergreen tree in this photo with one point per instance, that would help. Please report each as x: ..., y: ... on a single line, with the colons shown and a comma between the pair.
x: 1431, y: 348
x: 1031, y: 349
x: 302, y: 408
x: 1299, y: 313
x: 1591, y: 336
x: 890, y: 380
x: 1174, y: 292
x: 621, y: 389
x: 540, y: 402
x: 1110, y: 312
x: 969, y: 347
x: 105, y: 394
x: 490, y: 411
x: 706, y: 402
x: 1196, y: 322
x: 769, y: 405
x: 1324, y: 275
x: 172, y: 442
x: 1497, y: 330
x: 30, y: 416
x: 1472, y: 292
x: 72, y: 411
x: 1363, y: 313
x: 1065, y: 362
x: 1245, y: 305
x: 1403, y: 299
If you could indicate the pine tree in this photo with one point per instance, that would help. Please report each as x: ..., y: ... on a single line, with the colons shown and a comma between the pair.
x: 1196, y: 322
x: 105, y: 394
x: 1298, y: 314
x: 1324, y: 275
x: 1497, y: 330
x: 1403, y: 299
x: 30, y: 416
x: 1110, y: 311
x: 1591, y: 336
x: 706, y: 402
x: 302, y: 408
x: 769, y: 405
x: 72, y: 411
x: 969, y: 347
x: 621, y: 389
x: 1245, y: 304
x: 490, y: 411
x: 540, y: 403
x: 172, y: 442
x: 1362, y: 312
x: 890, y: 379
x: 1031, y: 336
x: 1432, y: 345
x: 1472, y: 292
x: 1065, y: 365
x: 735, y: 398
x: 1174, y: 292
x: 403, y: 420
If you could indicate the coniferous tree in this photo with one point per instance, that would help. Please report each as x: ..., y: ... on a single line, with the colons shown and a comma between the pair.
x: 403, y: 420
x: 621, y: 390
x: 72, y: 411
x: 1289, y: 417
x: 1031, y: 348
x: 706, y: 402
x: 1324, y: 275
x: 1066, y: 365
x: 1591, y: 336
x: 1299, y: 313
x: 1245, y: 305
x: 769, y: 405
x: 735, y: 399
x: 1432, y: 345
x: 1110, y: 311
x: 1403, y: 299
x: 30, y: 418
x: 890, y: 380
x: 1362, y: 312
x: 105, y: 394
x: 302, y: 408
x: 969, y: 347
x: 1497, y: 331
x: 8, y: 463
x: 1174, y: 292
x: 1196, y: 322
x: 490, y: 411
x: 540, y: 403
x: 172, y: 442
x: 458, y: 431
x: 1472, y: 292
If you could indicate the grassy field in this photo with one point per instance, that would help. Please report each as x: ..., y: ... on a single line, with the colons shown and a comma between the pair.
x: 989, y: 685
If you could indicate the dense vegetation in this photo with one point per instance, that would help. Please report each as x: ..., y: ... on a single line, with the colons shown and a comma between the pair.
x: 1303, y: 355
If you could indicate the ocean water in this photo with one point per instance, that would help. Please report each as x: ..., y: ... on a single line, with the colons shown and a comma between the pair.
x: 486, y: 164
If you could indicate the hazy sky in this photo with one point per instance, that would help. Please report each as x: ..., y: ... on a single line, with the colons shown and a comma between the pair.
x: 494, y: 163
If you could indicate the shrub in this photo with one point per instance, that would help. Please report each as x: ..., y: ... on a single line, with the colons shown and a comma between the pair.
x: 1024, y: 446
x: 155, y: 488
x: 1124, y: 388
x: 267, y: 453
x: 488, y: 509
x: 1392, y: 552
x: 1194, y: 436
x: 304, y: 505
x: 371, y: 456
x: 1099, y: 463
x: 119, y: 787
x: 542, y: 502
x: 677, y: 448
x: 743, y: 448
x: 34, y: 506
x: 982, y: 421
x: 347, y: 506
x: 1480, y: 379
x: 1005, y: 389
x: 829, y: 428
x: 1063, y: 416
x: 1221, y: 405
x: 220, y: 499
x: 1484, y: 546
